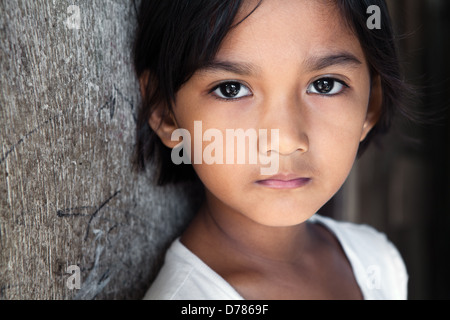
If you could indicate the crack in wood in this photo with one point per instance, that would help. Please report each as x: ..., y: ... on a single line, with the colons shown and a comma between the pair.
x: 21, y: 140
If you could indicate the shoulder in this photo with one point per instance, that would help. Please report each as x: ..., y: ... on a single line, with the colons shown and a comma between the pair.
x: 359, y: 236
x: 376, y: 262
x: 185, y: 277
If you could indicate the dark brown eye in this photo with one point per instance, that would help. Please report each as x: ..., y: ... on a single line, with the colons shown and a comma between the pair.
x: 326, y: 86
x: 231, y: 90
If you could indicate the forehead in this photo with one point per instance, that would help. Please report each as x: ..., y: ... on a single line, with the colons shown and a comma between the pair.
x: 289, y: 29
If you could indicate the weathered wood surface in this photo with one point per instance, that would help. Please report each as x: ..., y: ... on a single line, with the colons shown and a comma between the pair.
x: 68, y: 196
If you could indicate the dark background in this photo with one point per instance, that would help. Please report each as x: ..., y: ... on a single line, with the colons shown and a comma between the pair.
x: 426, y: 53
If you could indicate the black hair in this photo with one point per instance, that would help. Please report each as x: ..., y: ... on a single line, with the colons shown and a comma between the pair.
x: 380, y: 49
x: 175, y: 38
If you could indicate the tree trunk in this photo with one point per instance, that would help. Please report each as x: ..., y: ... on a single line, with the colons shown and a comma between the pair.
x: 68, y: 196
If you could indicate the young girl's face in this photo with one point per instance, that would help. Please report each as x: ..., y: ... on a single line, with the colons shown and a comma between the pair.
x: 292, y: 66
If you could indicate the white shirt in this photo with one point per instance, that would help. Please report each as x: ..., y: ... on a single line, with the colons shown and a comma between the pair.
x: 377, y: 265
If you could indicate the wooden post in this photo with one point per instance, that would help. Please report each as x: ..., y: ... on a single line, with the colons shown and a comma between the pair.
x: 69, y: 201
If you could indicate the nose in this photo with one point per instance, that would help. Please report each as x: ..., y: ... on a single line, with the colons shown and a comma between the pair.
x: 286, y: 116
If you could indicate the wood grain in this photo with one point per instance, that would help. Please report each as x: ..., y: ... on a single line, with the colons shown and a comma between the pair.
x: 68, y: 195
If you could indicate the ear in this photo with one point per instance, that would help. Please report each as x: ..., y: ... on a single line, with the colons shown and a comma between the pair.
x: 161, y: 119
x: 374, y: 107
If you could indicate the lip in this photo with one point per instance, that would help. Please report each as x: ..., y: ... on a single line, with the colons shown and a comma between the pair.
x: 282, y: 181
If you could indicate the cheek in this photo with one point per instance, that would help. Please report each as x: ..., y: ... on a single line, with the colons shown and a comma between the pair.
x: 334, y: 142
x: 226, y: 183
x: 339, y: 152
x: 340, y: 120
x: 341, y: 138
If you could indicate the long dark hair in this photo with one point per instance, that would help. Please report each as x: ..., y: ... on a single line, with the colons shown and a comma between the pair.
x: 379, y: 46
x: 177, y: 37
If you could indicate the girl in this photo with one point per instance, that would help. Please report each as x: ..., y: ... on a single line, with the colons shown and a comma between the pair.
x: 324, y: 84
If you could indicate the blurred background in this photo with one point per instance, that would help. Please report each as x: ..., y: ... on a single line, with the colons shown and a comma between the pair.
x: 403, y: 188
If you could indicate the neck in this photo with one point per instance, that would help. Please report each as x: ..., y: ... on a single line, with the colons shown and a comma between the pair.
x: 222, y: 230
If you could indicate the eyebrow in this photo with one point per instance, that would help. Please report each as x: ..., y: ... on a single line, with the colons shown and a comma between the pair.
x: 343, y: 58
x: 240, y: 68
x: 312, y: 64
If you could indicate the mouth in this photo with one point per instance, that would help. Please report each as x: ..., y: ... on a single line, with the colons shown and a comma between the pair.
x: 284, y: 182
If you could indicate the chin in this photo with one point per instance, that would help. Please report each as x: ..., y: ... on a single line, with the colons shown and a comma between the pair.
x: 277, y: 217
